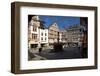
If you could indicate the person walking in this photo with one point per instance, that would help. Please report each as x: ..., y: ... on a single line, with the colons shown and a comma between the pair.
x: 40, y: 49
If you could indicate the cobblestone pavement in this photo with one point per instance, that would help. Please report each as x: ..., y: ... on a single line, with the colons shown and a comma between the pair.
x: 67, y: 53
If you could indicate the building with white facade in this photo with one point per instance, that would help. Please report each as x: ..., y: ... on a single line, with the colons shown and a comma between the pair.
x: 33, y: 32
x: 37, y: 36
x: 43, y: 37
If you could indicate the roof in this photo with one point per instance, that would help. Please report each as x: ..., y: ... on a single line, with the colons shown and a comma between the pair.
x: 76, y: 27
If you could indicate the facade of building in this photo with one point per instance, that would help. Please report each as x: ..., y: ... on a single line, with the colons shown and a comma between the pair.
x: 75, y: 34
x: 53, y: 33
x: 37, y: 37
x: 56, y: 35
x: 63, y: 34
x: 33, y: 32
x: 43, y: 37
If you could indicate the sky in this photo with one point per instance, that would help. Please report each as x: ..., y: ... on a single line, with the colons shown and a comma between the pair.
x: 62, y: 21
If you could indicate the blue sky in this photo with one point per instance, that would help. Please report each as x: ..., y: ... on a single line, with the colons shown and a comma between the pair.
x: 62, y: 21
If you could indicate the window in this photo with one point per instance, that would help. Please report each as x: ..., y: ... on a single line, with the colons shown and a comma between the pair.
x: 45, y: 38
x: 34, y: 36
x: 41, y: 38
x: 45, y: 34
x: 34, y: 28
x: 42, y: 33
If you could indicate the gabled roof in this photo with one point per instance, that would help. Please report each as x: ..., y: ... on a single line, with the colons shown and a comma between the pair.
x: 54, y: 23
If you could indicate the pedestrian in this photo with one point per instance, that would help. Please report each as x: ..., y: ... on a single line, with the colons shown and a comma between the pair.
x: 40, y: 49
x: 80, y: 45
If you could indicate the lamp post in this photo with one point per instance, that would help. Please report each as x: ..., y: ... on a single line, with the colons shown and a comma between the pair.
x: 58, y: 46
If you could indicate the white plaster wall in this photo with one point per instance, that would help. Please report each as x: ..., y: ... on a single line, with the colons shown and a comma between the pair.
x: 43, y: 31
